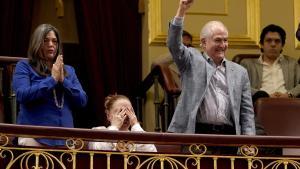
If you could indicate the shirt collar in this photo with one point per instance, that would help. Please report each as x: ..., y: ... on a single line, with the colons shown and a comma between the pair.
x: 279, y: 59
x: 211, y: 62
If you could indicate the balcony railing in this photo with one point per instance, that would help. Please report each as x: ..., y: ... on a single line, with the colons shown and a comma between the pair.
x: 175, y: 151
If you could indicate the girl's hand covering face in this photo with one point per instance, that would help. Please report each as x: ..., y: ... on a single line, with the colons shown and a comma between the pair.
x: 122, y: 115
x: 131, y: 115
x: 118, y: 118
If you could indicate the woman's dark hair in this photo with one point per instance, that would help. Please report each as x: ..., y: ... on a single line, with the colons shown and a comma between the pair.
x: 34, y: 52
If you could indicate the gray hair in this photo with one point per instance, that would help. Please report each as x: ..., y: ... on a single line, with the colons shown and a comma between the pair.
x: 209, y: 28
x: 34, y: 50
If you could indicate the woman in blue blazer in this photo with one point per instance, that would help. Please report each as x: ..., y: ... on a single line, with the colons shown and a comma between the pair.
x: 45, y: 88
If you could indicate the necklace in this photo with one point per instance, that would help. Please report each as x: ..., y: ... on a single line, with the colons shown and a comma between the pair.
x: 61, y: 105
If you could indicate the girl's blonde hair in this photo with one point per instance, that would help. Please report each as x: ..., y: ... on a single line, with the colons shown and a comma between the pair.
x: 111, y: 99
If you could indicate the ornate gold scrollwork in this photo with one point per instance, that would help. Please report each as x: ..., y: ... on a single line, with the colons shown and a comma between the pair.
x: 131, y: 162
x: 195, y: 162
x: 74, y: 144
x: 282, y: 163
x: 35, y: 159
x: 158, y: 161
x: 4, y: 154
x: 197, y: 149
x: 3, y: 140
x: 69, y: 159
x: 250, y: 151
x: 124, y: 146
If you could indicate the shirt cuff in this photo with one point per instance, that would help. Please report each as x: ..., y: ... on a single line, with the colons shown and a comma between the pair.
x: 112, y: 128
x: 137, y: 127
x: 178, y: 21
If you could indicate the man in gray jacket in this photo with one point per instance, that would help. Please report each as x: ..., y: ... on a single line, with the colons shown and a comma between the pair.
x: 216, y: 95
x: 273, y: 74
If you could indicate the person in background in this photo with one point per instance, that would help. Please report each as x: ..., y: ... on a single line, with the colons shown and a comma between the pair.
x: 121, y: 117
x: 273, y: 74
x: 187, y: 40
x: 45, y: 87
x: 298, y: 33
x: 216, y: 93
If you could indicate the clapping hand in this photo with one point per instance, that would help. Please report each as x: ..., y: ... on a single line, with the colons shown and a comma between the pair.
x: 57, y: 71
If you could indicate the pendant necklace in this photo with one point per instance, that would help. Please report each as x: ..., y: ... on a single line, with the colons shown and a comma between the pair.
x: 61, y: 105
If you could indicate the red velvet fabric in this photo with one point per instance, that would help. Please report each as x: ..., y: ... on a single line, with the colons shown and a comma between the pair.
x: 110, y: 37
x: 15, y: 27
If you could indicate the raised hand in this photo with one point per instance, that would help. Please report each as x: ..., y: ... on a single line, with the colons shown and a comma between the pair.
x: 184, y: 5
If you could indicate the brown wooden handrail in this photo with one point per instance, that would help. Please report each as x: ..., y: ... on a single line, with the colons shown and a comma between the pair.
x: 149, y: 137
x: 10, y: 59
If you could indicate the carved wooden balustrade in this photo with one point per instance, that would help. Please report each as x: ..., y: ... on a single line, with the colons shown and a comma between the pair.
x: 171, y: 153
x: 8, y: 106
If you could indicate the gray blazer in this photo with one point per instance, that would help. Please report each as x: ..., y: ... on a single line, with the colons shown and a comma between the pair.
x: 290, y: 69
x: 196, y: 73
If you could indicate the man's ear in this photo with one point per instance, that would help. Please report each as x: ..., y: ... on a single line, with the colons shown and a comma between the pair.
x: 202, y: 42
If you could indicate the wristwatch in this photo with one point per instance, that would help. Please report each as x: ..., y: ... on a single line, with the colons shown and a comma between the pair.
x: 290, y: 95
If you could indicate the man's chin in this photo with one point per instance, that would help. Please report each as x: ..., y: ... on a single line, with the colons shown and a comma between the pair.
x: 221, y: 56
x: 274, y: 55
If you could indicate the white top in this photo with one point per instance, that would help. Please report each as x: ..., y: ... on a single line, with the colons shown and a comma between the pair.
x: 272, y: 78
x: 112, y: 146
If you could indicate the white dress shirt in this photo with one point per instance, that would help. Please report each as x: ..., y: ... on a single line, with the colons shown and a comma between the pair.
x: 111, y: 146
x: 272, y: 77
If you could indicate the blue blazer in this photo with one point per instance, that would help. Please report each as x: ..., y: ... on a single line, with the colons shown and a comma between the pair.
x: 196, y: 73
x: 35, y: 95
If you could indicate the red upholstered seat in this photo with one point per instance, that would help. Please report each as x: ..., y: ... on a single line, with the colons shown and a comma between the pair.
x: 279, y: 116
x: 239, y: 57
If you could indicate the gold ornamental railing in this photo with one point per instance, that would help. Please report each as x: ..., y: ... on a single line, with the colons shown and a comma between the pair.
x: 175, y: 151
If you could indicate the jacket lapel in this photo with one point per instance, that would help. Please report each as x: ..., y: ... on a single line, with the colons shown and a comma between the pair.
x: 230, y: 79
x: 231, y: 83
x: 259, y: 72
x: 285, y: 70
x: 209, y: 68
